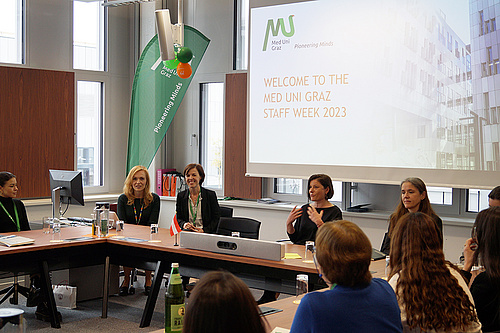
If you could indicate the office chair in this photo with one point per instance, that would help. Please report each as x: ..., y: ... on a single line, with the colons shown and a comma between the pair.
x: 14, y: 290
x: 247, y: 227
x: 226, y: 211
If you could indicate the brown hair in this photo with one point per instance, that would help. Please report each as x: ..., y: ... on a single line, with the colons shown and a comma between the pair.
x: 325, y: 181
x: 198, y: 168
x: 488, y: 242
x: 222, y: 303
x: 495, y: 193
x: 5, y: 176
x: 128, y: 190
x: 344, y: 253
x: 424, y: 207
x: 430, y: 294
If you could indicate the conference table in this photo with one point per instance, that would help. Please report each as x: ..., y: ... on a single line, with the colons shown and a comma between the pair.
x: 79, y: 249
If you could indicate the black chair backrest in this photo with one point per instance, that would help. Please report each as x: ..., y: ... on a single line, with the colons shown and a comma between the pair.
x: 247, y: 227
x: 226, y: 211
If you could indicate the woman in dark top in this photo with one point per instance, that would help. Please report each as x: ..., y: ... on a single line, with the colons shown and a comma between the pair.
x: 313, y: 215
x: 197, y: 207
x: 413, y: 199
x: 13, y: 215
x: 485, y: 286
x: 137, y: 205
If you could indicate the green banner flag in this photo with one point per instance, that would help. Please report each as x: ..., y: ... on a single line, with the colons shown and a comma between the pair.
x: 157, y: 93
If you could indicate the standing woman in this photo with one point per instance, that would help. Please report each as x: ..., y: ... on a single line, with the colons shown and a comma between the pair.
x: 137, y: 205
x: 13, y: 215
x: 431, y: 292
x: 313, y: 215
x: 413, y: 199
x: 197, y: 207
x: 485, y: 287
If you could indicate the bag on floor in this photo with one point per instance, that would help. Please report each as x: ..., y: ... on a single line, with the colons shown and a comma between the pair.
x: 65, y: 296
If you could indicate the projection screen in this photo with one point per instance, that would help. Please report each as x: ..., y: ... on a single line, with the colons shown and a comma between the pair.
x: 375, y: 91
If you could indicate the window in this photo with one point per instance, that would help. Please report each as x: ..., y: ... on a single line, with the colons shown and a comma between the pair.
x: 477, y: 200
x: 88, y: 35
x: 11, y: 31
x: 212, y: 133
x: 440, y: 195
x: 241, y: 33
x: 298, y: 188
x: 288, y: 186
x: 90, y: 131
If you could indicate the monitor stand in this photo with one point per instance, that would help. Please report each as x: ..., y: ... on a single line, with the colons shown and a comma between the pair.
x: 56, y: 203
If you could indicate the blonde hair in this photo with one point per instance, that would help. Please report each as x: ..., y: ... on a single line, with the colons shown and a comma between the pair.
x: 128, y: 190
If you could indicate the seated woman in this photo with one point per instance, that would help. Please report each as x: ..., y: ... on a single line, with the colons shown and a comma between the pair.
x: 485, y: 286
x: 222, y: 303
x: 313, y: 215
x: 356, y: 302
x: 413, y: 199
x: 137, y: 205
x: 13, y: 218
x: 197, y: 207
x: 13, y: 215
x: 431, y: 293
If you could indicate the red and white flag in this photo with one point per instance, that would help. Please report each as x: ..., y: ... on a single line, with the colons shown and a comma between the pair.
x: 174, y: 227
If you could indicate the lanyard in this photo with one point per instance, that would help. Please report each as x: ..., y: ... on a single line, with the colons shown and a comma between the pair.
x: 138, y: 219
x: 16, y: 222
x: 195, y: 212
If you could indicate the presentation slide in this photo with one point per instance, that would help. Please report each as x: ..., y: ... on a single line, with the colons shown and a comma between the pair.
x: 374, y: 84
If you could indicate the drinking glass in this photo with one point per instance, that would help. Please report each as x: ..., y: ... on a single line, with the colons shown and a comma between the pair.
x: 308, y: 257
x: 56, y: 231
x: 153, y: 236
x: 46, y: 221
x: 301, y: 287
x: 119, y: 228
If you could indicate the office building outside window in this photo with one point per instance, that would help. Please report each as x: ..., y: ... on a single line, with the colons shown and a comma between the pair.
x: 88, y: 35
x: 212, y: 133
x: 11, y: 31
x: 90, y: 131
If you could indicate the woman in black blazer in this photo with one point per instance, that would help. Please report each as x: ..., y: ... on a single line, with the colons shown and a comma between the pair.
x: 197, y: 207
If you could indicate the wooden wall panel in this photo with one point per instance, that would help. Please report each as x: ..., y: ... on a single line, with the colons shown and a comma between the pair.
x: 38, y: 125
x: 235, y: 182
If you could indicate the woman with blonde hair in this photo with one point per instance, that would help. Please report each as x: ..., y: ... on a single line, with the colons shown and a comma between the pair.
x: 137, y: 205
x: 431, y: 292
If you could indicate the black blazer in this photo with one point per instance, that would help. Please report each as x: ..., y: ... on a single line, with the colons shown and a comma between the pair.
x: 210, y: 211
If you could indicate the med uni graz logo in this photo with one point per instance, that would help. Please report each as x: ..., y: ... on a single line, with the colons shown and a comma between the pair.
x: 274, y: 29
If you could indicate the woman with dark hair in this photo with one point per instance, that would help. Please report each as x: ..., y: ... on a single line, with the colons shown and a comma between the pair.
x: 222, y: 303
x: 413, y: 199
x: 356, y: 302
x: 13, y: 218
x: 137, y: 205
x: 302, y: 223
x: 431, y: 293
x: 485, y: 286
x: 13, y: 215
x: 197, y: 207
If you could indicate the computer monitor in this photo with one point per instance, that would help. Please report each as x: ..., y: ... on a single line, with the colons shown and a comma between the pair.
x: 66, y: 187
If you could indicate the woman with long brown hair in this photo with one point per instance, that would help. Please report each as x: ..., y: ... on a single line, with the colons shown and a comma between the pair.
x: 413, y: 199
x: 431, y: 293
x: 485, y: 287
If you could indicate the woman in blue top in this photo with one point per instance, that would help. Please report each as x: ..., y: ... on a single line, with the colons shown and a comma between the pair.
x: 355, y: 301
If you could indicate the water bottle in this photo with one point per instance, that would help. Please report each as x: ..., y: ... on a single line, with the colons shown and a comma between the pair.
x: 174, y: 302
x: 102, y: 217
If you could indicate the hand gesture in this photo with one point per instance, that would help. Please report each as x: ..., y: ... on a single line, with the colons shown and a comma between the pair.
x: 294, y: 214
x: 469, y: 248
x: 315, y: 216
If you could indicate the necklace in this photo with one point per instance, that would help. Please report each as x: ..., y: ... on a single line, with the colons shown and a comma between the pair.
x: 16, y: 222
